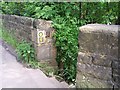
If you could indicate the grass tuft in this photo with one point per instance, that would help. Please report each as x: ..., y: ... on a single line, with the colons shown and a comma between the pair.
x: 8, y: 37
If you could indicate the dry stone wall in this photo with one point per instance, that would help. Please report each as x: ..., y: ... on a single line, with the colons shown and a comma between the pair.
x: 30, y: 29
x: 98, y: 63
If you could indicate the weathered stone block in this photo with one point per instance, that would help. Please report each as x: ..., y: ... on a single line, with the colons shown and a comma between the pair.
x: 91, y: 70
x: 114, y: 52
x: 96, y: 39
x: 42, y: 24
x: 84, y: 58
x: 97, y: 59
x: 86, y: 42
x: 21, y: 20
x: 116, y: 71
x: 24, y: 28
x: 115, y: 64
x: 95, y: 43
x: 15, y: 26
x: 15, y: 18
x: 23, y: 35
x: 116, y: 86
x: 34, y: 35
x: 25, y: 21
x: 6, y: 17
x: 116, y: 78
x: 89, y: 82
x: 53, y: 52
x: 43, y: 52
x: 102, y: 60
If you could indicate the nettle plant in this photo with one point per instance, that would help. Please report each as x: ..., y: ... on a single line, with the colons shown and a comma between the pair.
x: 25, y: 51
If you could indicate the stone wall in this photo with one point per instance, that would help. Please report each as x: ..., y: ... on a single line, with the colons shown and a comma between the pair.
x: 98, y: 64
x: 98, y: 58
x: 24, y: 28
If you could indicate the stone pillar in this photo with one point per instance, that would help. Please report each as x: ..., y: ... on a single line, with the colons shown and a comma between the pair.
x: 42, y: 36
x: 98, y: 64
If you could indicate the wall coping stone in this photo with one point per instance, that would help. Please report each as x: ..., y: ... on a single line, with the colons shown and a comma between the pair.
x: 100, y: 28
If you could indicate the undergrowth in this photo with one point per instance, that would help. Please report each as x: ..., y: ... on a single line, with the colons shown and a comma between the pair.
x: 8, y: 37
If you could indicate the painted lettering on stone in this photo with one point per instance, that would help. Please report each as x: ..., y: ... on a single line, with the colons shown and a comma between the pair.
x: 41, y: 37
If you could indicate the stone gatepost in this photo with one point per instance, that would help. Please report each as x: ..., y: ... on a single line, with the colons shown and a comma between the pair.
x: 98, y: 65
x: 42, y: 36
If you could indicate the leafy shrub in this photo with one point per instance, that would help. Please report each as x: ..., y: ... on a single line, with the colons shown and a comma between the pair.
x: 25, y: 51
x: 67, y: 47
x: 46, y: 12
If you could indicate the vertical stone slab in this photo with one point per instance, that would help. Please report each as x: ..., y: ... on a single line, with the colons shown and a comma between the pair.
x: 42, y: 36
x: 98, y: 64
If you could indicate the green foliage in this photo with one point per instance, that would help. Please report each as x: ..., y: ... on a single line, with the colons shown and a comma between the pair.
x: 99, y: 12
x: 45, y: 12
x: 25, y: 51
x: 12, y: 8
x: 67, y: 47
x: 29, y: 9
x: 8, y: 37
